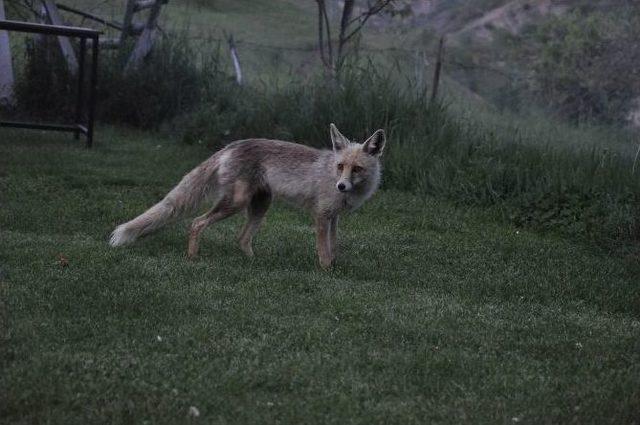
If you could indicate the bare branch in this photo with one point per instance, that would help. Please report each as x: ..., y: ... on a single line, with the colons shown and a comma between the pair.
x: 323, y: 22
x: 373, y: 10
x: 329, y: 45
x: 364, y: 17
x: 345, y: 34
x: 321, y: 30
x: 347, y: 11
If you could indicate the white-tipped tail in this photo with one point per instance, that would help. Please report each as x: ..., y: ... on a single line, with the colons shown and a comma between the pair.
x: 155, y: 217
x: 121, y: 236
x: 183, y: 199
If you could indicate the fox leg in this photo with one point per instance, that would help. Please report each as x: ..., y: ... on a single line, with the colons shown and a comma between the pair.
x: 333, y: 237
x: 322, y: 241
x: 227, y: 206
x: 256, y: 211
x: 221, y: 211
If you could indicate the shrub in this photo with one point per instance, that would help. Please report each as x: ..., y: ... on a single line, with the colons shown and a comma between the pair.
x: 585, y: 67
x: 44, y: 88
x: 171, y: 81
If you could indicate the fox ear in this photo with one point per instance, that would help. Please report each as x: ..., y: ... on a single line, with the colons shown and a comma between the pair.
x: 374, y: 145
x: 339, y: 141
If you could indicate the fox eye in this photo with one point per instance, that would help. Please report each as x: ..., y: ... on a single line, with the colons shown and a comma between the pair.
x: 356, y: 169
x: 340, y: 167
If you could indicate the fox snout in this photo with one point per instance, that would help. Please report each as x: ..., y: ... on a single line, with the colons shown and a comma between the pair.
x: 344, y: 185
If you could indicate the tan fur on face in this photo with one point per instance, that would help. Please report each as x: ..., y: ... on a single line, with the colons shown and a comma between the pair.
x: 353, y: 156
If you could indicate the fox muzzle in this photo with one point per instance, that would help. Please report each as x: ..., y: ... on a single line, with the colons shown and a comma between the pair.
x: 344, y: 186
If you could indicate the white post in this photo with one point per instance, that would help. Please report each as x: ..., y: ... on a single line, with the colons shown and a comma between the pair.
x: 6, y: 68
x: 236, y: 61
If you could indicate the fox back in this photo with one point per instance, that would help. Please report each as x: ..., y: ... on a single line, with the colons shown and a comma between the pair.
x: 323, y: 181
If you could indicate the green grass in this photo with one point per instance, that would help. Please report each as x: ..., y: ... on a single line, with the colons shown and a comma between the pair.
x: 433, y: 314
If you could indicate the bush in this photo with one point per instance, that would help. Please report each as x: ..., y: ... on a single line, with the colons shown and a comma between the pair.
x: 173, y: 80
x: 585, y: 67
x: 45, y: 88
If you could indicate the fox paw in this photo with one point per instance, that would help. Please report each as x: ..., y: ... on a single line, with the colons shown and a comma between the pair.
x: 248, y: 251
x: 326, y: 264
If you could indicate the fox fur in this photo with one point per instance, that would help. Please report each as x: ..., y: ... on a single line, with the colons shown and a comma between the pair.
x: 247, y: 174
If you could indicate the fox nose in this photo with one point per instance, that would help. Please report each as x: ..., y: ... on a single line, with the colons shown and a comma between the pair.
x: 342, y: 187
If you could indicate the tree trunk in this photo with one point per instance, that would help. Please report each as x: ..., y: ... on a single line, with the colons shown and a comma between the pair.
x: 146, y: 40
x: 347, y: 11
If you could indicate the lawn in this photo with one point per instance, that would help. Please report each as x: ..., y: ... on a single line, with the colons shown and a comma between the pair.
x: 433, y: 314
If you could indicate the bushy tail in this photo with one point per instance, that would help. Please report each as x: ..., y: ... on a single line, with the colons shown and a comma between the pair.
x: 183, y: 199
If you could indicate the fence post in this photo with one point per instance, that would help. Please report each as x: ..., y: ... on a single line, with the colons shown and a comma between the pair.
x: 6, y: 68
x: 436, y: 72
x: 234, y: 58
x: 80, y: 94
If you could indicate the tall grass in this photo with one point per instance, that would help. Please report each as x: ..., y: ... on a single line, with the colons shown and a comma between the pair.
x: 173, y: 80
x: 44, y: 87
x: 587, y: 191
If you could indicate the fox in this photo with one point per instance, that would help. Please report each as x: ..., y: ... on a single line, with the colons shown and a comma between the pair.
x: 247, y: 175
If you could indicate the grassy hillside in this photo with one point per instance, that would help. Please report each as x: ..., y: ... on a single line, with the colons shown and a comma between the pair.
x: 277, y: 40
x: 433, y: 314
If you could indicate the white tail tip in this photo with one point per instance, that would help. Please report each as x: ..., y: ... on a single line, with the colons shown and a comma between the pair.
x: 120, y: 236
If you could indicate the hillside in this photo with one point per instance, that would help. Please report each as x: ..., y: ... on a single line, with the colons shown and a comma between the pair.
x: 277, y: 39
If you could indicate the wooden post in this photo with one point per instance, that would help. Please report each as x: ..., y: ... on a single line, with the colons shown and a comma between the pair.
x: 234, y: 58
x: 436, y: 72
x: 65, y: 44
x: 6, y: 67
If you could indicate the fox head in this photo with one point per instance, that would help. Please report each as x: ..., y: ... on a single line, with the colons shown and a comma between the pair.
x: 357, y: 165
